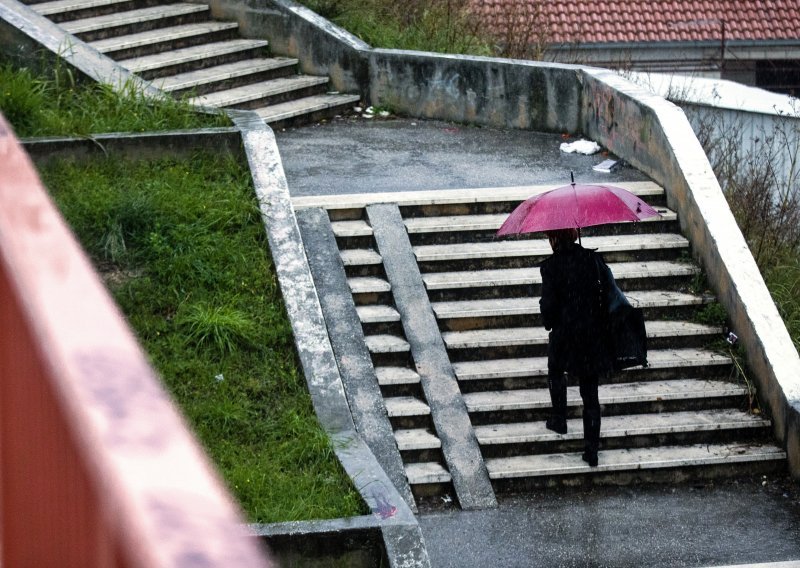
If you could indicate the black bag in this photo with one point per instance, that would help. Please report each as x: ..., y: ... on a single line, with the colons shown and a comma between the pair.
x: 628, y: 336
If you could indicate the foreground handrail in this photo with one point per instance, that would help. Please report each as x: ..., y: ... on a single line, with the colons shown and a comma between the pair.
x: 97, y: 468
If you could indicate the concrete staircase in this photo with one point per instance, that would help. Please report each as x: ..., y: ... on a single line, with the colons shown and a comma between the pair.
x: 685, y: 416
x: 181, y: 50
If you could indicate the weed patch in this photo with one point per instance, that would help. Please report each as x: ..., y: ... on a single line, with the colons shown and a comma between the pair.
x: 58, y: 105
x: 185, y: 255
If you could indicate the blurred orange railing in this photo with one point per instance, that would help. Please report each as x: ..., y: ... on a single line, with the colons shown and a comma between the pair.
x: 97, y: 468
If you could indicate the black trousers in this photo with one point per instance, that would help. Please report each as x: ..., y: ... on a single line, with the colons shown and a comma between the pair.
x: 557, y: 382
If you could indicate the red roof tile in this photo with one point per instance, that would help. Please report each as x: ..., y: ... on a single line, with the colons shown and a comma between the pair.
x: 617, y: 21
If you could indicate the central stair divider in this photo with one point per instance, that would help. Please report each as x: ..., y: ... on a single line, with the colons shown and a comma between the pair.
x: 347, y: 339
x: 449, y: 414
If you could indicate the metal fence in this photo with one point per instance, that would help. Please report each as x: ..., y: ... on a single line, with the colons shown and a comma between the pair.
x: 97, y: 468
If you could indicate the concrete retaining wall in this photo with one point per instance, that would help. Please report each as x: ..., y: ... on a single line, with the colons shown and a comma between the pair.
x: 655, y: 136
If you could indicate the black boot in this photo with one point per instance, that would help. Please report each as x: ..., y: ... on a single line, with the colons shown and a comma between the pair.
x: 557, y: 384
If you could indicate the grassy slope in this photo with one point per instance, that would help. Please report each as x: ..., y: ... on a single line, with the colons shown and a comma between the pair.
x: 184, y: 252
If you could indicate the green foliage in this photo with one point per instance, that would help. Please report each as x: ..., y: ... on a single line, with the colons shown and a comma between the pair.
x: 221, y: 327
x: 21, y: 97
x: 183, y: 250
x: 57, y: 105
x: 783, y: 281
x: 712, y: 314
x: 445, y: 26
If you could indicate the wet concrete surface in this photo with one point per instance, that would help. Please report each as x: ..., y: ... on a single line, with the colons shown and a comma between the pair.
x: 715, y: 524
x: 353, y: 155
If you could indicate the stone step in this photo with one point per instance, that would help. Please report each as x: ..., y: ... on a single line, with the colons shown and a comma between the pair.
x: 377, y: 314
x: 416, y: 439
x: 451, y: 223
x: 65, y: 6
x: 389, y: 376
x: 224, y: 72
x: 315, y: 105
x: 612, y: 427
x: 161, y: 35
x: 517, y: 336
x: 618, y: 393
x: 257, y: 91
x: 502, y: 307
x: 537, y: 366
x: 397, y: 406
x: 427, y: 472
x: 132, y: 17
x: 541, y: 248
x: 368, y: 285
x: 532, y: 275
x: 386, y: 344
x: 190, y: 54
x: 661, y: 457
x: 438, y: 199
x: 522, y: 276
x: 360, y: 257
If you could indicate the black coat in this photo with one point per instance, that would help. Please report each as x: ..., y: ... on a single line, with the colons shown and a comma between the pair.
x: 574, y: 311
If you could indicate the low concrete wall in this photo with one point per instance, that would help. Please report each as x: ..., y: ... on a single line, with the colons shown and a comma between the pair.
x: 478, y: 90
x: 655, y: 136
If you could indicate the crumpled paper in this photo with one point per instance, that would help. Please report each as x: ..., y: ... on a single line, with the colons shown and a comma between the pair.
x: 587, y: 147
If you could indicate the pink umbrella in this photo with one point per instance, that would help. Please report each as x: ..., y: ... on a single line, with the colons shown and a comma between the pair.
x: 575, y: 206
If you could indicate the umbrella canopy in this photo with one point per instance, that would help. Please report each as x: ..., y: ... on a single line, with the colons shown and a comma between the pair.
x: 575, y: 206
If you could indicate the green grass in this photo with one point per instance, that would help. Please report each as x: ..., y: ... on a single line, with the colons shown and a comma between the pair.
x: 183, y: 250
x: 783, y: 281
x: 36, y: 105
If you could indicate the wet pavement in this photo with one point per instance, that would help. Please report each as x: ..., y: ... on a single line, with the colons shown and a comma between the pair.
x: 746, y: 521
x: 376, y: 155
x: 656, y: 526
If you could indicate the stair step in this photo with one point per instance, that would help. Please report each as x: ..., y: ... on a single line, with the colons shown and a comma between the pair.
x: 406, y: 406
x: 360, y: 257
x: 452, y: 223
x: 428, y: 472
x: 260, y: 90
x: 132, y: 17
x: 522, y: 276
x: 618, y: 393
x: 161, y: 35
x: 190, y: 54
x: 617, y: 427
x: 537, y: 366
x: 388, y: 376
x: 633, y: 459
x: 530, y: 305
x: 540, y: 247
x: 439, y: 198
x: 61, y: 6
x: 368, y: 285
x: 532, y: 275
x: 416, y: 439
x: 377, y: 314
x: 386, y: 344
x: 219, y: 73
x: 483, y: 338
x: 306, y: 105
